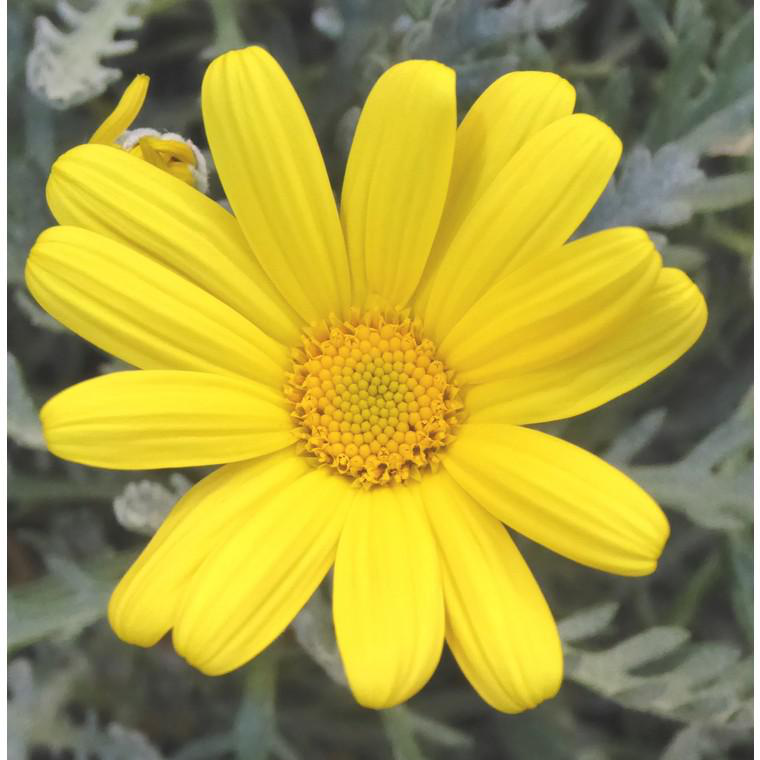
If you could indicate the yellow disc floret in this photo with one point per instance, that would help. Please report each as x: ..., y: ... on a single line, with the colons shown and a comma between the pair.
x: 370, y: 398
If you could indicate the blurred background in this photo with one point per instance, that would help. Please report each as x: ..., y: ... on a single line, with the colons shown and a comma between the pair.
x: 656, y: 667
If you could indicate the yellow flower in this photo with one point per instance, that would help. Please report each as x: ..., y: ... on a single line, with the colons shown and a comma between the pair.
x: 168, y: 151
x: 364, y: 376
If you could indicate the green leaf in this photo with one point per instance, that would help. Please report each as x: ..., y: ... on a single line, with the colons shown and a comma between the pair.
x: 254, y: 728
x: 654, y: 22
x: 587, y: 623
x: 35, y: 314
x: 23, y: 419
x: 713, y: 135
x: 712, y: 485
x: 399, y: 729
x: 721, y: 193
x: 742, y: 590
x: 143, y: 505
x: 63, y: 603
x: 689, y: 743
x: 313, y: 628
x: 65, y: 69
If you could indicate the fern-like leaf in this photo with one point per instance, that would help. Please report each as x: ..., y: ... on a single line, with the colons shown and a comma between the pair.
x: 64, y: 68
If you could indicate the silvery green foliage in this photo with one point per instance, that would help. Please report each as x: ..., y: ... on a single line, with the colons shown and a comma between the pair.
x: 34, y: 708
x: 227, y: 32
x: 690, y: 743
x: 27, y: 210
x: 480, y: 40
x: 23, y: 419
x: 34, y: 313
x: 67, y: 600
x: 712, y: 485
x: 707, y: 686
x: 224, y: 745
x: 254, y: 728
x: 651, y: 190
x: 142, y: 506
x: 727, y: 132
x: 522, y: 17
x: 64, y: 68
x: 587, y: 622
x: 704, y: 114
x: 37, y: 716
x: 664, y: 189
x: 314, y: 632
x: 327, y: 19
x: 689, y: 40
x: 479, y: 24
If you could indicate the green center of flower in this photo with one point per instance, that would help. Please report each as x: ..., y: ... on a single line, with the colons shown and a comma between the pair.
x: 371, y: 400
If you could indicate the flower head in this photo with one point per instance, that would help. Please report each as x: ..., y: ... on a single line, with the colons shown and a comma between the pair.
x: 364, y: 376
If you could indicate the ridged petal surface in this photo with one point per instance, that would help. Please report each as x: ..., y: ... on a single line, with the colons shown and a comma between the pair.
x: 560, y: 496
x: 125, y: 198
x: 533, y: 205
x: 553, y: 306
x: 125, y: 113
x: 144, y: 312
x: 272, y: 171
x: 498, y: 624
x: 661, y: 328
x: 397, y: 178
x: 249, y: 589
x: 387, y: 597
x: 144, y: 605
x: 155, y: 418
x: 507, y: 113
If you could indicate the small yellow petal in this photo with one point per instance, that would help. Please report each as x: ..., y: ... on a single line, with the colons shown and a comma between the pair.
x: 662, y: 327
x: 125, y: 113
x: 387, y: 597
x: 136, y: 204
x: 553, y: 306
x: 149, y: 419
x: 499, y: 626
x: 397, y: 177
x: 144, y: 605
x: 533, y: 205
x: 559, y: 496
x: 143, y: 312
x: 249, y: 589
x: 272, y: 171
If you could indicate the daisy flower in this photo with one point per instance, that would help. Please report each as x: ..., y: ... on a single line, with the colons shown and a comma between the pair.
x: 365, y: 375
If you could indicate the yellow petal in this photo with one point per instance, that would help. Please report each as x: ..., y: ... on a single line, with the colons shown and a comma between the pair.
x: 553, y: 306
x: 271, y: 168
x: 387, y: 597
x: 533, y: 205
x: 511, y: 110
x: 499, y: 626
x: 173, y: 156
x: 113, y: 193
x: 143, y: 607
x: 160, y: 418
x: 143, y: 312
x: 249, y: 589
x: 560, y: 496
x: 662, y: 327
x: 397, y: 177
x: 125, y: 113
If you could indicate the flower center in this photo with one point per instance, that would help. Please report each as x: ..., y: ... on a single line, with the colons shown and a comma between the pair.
x: 370, y: 398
